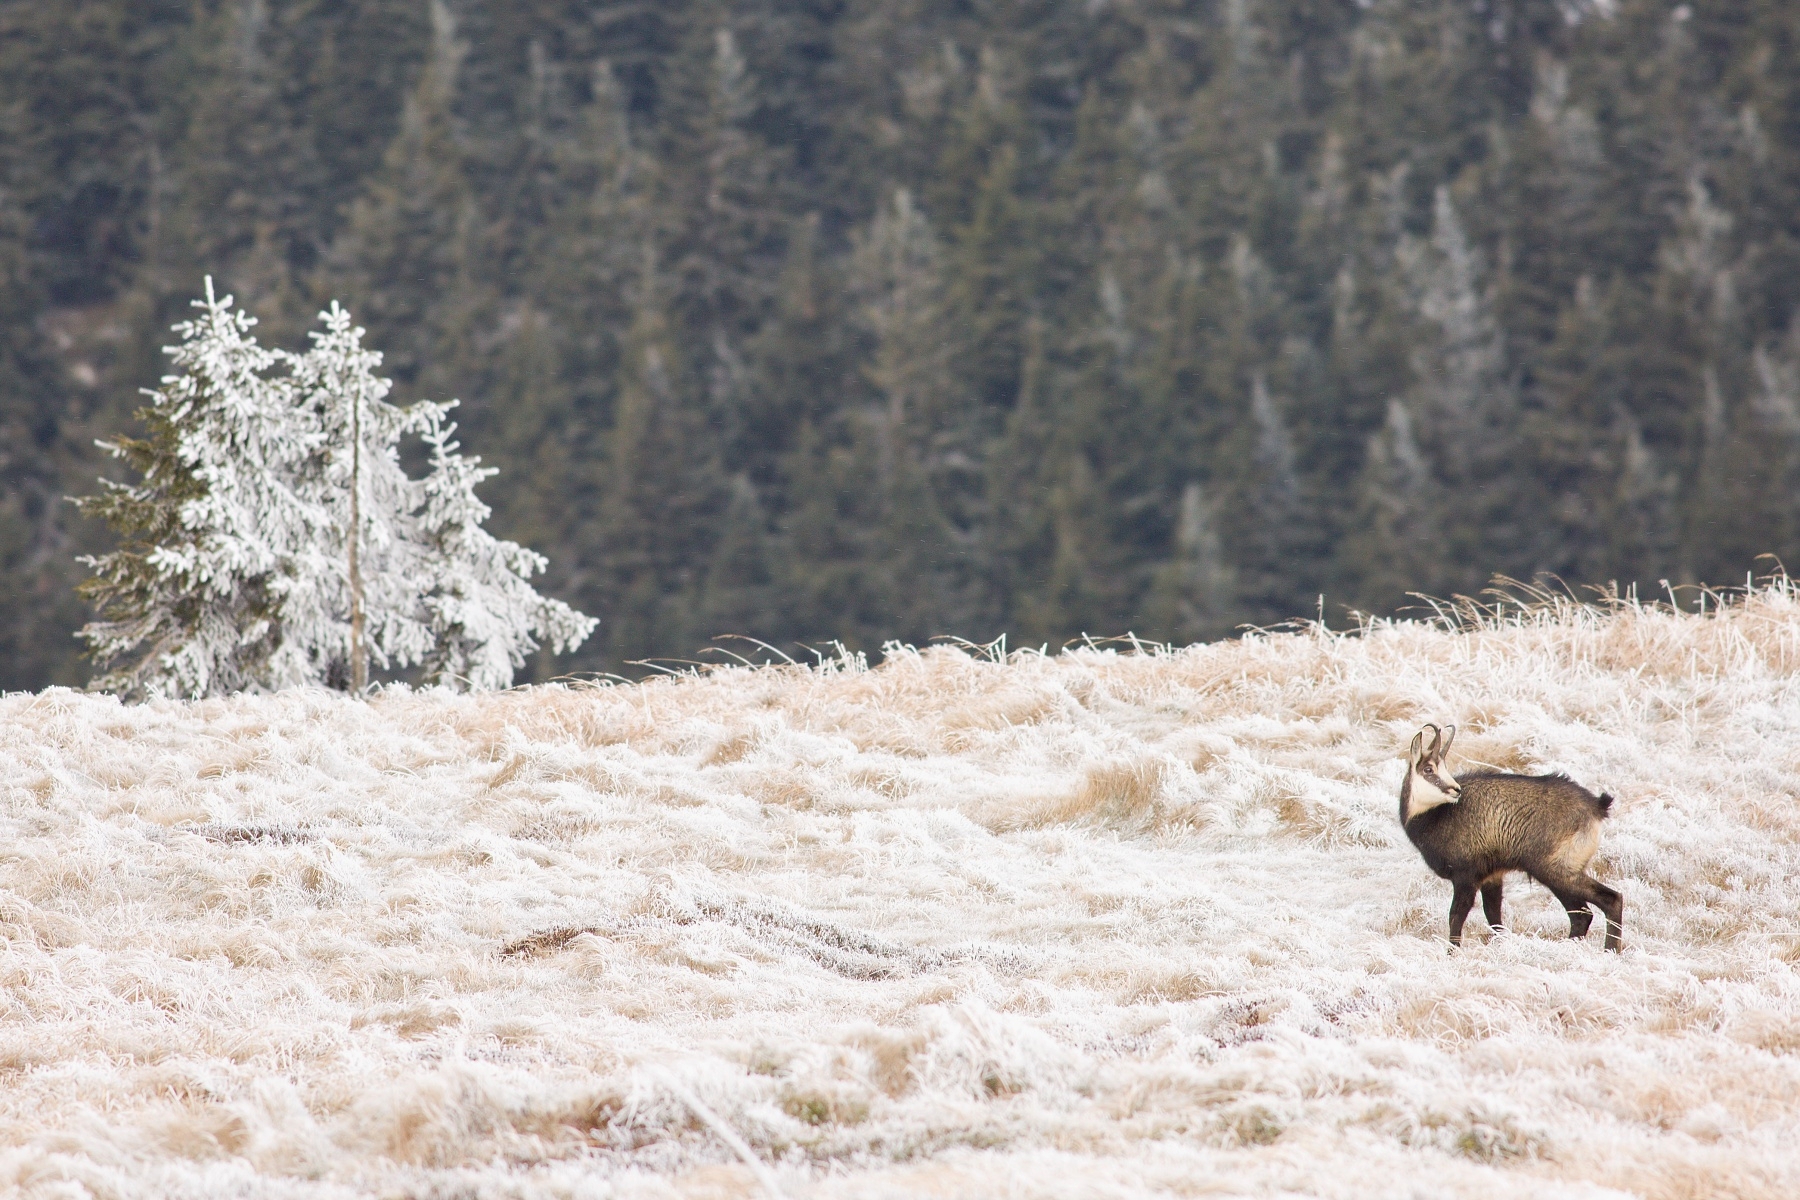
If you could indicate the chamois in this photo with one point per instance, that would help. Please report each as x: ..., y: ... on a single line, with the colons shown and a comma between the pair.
x: 1474, y: 828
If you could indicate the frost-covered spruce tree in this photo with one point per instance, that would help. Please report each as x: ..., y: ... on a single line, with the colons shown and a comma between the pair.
x: 215, y: 533
x: 368, y: 604
x: 432, y: 586
x: 483, y: 615
x: 275, y: 538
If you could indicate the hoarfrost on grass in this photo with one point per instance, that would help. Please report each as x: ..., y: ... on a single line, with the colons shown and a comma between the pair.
x: 1093, y: 924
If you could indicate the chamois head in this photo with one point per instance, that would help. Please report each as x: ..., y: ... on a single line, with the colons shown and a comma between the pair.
x: 1428, y: 784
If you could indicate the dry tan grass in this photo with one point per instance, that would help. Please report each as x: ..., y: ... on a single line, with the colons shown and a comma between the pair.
x: 1096, y: 923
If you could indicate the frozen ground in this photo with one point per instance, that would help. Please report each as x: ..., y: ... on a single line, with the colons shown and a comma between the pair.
x: 1090, y: 925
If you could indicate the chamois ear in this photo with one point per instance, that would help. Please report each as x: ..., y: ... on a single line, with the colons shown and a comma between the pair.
x: 1443, y: 747
x: 1418, y: 747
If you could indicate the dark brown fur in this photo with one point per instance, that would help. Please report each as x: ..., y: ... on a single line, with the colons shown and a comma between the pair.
x: 1547, y: 826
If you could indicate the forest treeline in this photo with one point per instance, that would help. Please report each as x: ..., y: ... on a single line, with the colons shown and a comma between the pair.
x: 872, y: 319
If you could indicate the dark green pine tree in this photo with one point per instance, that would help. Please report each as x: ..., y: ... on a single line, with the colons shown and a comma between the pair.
x: 1104, y: 479
x: 251, y: 185
x: 1255, y: 165
x: 662, y: 495
x: 1275, y: 549
x: 733, y: 266
x: 1001, y: 446
x: 1730, y: 515
x: 1122, y: 457
x: 1396, y: 540
x: 874, y: 557
x: 724, y: 237
x: 555, y: 389
x: 1725, y: 291
x: 411, y: 254
x: 802, y: 362
x: 1143, y: 383
x: 1021, y: 541
x: 37, y: 573
x: 1193, y: 593
x: 85, y: 89
x: 745, y: 587
x: 1613, y: 515
x: 873, y: 534
x: 990, y: 240
x: 1460, y: 412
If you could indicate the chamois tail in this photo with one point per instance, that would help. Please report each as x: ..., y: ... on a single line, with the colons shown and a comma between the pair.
x: 1605, y: 801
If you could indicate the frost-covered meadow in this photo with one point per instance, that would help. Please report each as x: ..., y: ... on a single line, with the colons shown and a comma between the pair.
x: 1092, y: 924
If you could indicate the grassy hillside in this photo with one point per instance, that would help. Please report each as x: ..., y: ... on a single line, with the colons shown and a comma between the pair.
x: 1092, y: 924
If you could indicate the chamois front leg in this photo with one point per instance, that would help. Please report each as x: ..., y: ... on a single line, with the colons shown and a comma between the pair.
x: 1461, y: 901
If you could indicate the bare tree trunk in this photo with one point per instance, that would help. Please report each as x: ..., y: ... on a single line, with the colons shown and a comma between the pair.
x: 359, y: 655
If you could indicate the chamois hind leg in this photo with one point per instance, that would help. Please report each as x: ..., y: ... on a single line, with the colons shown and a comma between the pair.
x: 1461, y: 901
x: 1491, y: 889
x: 1578, y: 894
x: 1612, y: 904
x: 1573, y: 897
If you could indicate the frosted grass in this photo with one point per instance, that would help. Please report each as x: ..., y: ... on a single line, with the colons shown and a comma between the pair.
x: 1088, y: 925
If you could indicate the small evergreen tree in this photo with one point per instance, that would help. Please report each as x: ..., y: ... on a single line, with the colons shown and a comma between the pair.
x: 196, y: 595
x: 482, y: 615
x: 365, y: 600
x: 409, y: 557
x: 275, y: 538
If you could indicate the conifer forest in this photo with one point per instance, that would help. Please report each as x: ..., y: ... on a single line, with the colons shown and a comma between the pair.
x: 877, y: 320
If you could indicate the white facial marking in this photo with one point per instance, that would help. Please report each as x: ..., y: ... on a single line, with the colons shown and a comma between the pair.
x: 1424, y: 795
